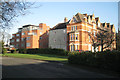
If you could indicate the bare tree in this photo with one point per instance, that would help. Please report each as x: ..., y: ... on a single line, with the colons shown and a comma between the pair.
x: 103, y: 38
x: 118, y: 40
x: 10, y: 10
x: 93, y: 40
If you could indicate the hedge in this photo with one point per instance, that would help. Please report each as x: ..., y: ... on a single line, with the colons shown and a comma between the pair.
x: 44, y: 51
x: 108, y: 59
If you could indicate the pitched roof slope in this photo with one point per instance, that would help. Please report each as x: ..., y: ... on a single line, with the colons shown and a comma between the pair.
x: 60, y: 26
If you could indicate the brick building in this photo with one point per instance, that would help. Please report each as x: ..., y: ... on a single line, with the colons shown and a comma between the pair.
x: 77, y: 30
x: 29, y: 36
x: 118, y: 39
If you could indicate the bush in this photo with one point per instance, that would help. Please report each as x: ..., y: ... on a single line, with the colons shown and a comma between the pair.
x: 4, y: 51
x: 24, y: 51
x: 14, y: 51
x: 44, y: 51
x: 107, y: 59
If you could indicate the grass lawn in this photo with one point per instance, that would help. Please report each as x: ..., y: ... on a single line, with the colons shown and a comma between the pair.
x: 48, y: 57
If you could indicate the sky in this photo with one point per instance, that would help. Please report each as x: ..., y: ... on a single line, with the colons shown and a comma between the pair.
x: 53, y: 13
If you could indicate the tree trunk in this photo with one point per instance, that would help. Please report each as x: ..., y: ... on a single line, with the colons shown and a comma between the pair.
x: 3, y: 42
x: 102, y: 45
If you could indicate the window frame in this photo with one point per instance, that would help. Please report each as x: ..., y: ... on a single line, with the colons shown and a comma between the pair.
x: 17, y: 40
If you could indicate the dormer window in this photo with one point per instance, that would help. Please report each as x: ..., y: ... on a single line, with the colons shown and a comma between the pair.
x: 74, y: 20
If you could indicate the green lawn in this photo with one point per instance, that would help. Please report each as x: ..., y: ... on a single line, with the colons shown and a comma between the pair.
x: 38, y: 56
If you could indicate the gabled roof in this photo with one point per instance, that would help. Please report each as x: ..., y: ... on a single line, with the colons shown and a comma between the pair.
x: 60, y: 26
x: 80, y: 17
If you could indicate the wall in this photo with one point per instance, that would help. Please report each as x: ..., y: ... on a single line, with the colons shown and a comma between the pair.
x: 58, y: 38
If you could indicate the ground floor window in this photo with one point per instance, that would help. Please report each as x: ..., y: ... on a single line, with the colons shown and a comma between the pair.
x: 89, y: 47
x: 28, y: 44
x: 72, y: 47
x: 77, y: 47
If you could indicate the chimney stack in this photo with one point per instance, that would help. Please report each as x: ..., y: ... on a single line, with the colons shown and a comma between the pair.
x: 65, y: 20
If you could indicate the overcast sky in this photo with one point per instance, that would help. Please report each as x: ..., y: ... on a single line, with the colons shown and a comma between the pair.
x: 53, y: 13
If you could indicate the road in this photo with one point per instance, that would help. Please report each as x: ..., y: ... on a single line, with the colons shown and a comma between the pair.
x: 29, y: 68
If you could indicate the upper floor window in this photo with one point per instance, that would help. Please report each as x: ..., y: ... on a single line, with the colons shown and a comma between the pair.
x: 34, y: 33
x: 22, y: 39
x: 17, y: 45
x: 71, y: 36
x: 17, y: 35
x: 23, y: 33
x: 40, y: 32
x: 17, y: 40
x: 12, y: 40
x: 27, y: 38
x: 76, y: 27
x: 73, y: 28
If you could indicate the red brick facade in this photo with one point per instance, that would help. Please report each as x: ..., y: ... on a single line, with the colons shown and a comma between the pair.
x: 78, y: 28
x: 29, y: 35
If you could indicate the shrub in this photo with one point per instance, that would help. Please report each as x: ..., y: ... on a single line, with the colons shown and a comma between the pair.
x: 14, y: 51
x: 44, y: 51
x: 24, y: 51
x: 4, y: 51
x: 107, y: 59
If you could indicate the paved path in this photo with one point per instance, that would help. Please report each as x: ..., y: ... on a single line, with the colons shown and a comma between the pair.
x: 29, y: 68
